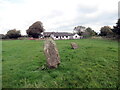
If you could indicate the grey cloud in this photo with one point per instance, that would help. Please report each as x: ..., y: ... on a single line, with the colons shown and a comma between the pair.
x: 104, y: 18
x: 86, y: 9
x: 54, y: 14
x: 119, y: 9
x: 15, y: 1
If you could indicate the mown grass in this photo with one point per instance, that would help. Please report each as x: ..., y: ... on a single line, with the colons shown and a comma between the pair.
x: 93, y: 65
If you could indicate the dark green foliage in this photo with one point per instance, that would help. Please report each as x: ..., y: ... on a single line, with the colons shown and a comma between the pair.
x: 116, y: 28
x: 106, y: 31
x: 89, y: 32
x: 35, y: 29
x: 79, y: 29
x: 85, y: 32
x: 13, y: 34
x: 2, y: 36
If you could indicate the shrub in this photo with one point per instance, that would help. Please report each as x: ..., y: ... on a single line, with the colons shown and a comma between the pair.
x: 13, y: 34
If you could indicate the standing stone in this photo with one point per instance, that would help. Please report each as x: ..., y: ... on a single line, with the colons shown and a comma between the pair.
x: 51, y: 53
x: 74, y: 45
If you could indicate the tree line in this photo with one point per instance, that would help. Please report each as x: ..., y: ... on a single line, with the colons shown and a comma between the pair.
x: 36, y: 29
x: 33, y: 31
x: 105, y: 31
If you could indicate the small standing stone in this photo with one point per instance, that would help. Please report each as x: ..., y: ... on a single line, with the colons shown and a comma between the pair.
x: 74, y: 45
x: 51, y: 53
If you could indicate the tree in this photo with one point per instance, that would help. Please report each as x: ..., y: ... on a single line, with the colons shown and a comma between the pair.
x: 2, y: 36
x: 86, y: 32
x: 116, y: 29
x: 79, y: 30
x: 106, y: 31
x: 90, y: 32
x: 35, y: 29
x: 13, y: 33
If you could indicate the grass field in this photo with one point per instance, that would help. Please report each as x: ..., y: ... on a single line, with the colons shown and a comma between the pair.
x: 93, y: 65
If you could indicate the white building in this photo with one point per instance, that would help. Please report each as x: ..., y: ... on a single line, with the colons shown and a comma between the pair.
x: 61, y: 35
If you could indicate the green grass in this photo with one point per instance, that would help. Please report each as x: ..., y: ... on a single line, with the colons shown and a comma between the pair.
x: 93, y: 65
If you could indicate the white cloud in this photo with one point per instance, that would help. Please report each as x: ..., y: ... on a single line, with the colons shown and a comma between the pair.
x: 56, y: 15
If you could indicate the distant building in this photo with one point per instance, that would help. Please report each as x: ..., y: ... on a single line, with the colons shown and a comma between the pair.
x: 60, y: 35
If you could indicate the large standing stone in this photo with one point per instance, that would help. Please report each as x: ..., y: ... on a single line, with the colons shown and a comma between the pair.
x: 74, y: 45
x: 51, y: 53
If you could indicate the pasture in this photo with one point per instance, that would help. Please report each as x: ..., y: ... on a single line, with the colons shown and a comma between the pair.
x: 93, y: 65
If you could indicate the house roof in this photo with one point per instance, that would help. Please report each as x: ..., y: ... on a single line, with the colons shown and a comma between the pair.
x: 47, y: 33
x: 58, y: 34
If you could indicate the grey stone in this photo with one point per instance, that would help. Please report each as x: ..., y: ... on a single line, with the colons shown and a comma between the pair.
x: 74, y: 45
x: 51, y: 53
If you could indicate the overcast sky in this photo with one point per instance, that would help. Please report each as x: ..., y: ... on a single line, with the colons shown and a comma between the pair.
x: 57, y: 15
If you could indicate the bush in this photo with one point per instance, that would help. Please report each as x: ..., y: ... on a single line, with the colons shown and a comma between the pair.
x: 2, y: 36
x: 106, y: 31
x: 13, y: 34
